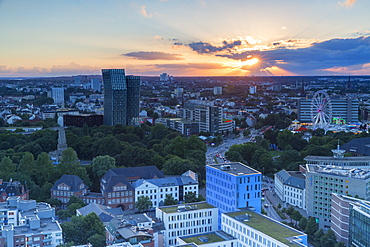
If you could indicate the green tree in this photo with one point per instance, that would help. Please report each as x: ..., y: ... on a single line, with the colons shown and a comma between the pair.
x: 170, y: 200
x: 191, y: 197
x: 143, y: 203
x: 302, y: 223
x: 283, y: 139
x: 7, y: 166
x: 69, y: 162
x: 101, y: 164
x: 329, y: 239
x: 318, y: 234
x: 97, y: 240
x: 246, y: 132
x: 26, y: 164
x: 234, y: 156
x: 296, y: 215
x: 44, y: 170
x: 311, y: 227
x: 81, y: 228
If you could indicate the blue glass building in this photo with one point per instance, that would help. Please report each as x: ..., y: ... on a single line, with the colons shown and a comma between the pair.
x: 121, y: 97
x: 231, y: 186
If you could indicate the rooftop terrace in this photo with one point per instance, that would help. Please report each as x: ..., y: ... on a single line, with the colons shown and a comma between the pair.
x: 186, y: 207
x: 235, y: 168
x: 207, y: 238
x: 267, y: 226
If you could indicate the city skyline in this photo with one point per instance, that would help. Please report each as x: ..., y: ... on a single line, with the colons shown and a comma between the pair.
x: 185, y: 38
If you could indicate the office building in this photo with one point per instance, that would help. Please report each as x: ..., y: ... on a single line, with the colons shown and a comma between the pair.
x: 350, y: 220
x: 346, y: 109
x: 121, y: 97
x: 254, y: 229
x: 28, y: 223
x: 290, y: 188
x: 322, y: 181
x: 231, y: 186
x: 253, y: 89
x: 57, y: 94
x: 81, y: 119
x: 184, y: 126
x: 186, y: 219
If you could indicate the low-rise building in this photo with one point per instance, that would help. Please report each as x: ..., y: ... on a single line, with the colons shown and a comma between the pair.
x: 67, y: 186
x: 12, y: 188
x: 157, y: 189
x: 186, y: 219
x: 254, y: 229
x: 290, y: 188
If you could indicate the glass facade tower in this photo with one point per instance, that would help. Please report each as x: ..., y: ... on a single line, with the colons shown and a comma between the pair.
x: 121, y: 97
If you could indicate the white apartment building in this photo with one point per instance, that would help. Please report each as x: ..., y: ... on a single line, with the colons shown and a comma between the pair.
x: 290, y: 188
x: 27, y: 223
x: 157, y: 189
x: 254, y: 229
x: 57, y: 93
x: 186, y: 219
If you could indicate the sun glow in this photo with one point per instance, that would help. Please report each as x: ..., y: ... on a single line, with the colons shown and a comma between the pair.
x: 250, y: 62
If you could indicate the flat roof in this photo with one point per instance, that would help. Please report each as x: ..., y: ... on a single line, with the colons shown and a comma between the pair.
x: 186, y: 207
x: 268, y: 226
x: 210, y: 237
x: 235, y: 168
x: 331, y: 158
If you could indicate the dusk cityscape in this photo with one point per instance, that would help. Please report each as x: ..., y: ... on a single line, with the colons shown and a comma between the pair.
x: 171, y: 123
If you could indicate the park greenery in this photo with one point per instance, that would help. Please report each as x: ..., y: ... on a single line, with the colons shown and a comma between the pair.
x: 25, y: 158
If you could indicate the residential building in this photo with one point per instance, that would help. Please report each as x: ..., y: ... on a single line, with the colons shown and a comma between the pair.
x: 186, y: 219
x: 157, y: 189
x: 231, y: 186
x: 105, y: 213
x: 290, y: 187
x: 217, y: 90
x: 254, y: 229
x: 208, y: 239
x: 95, y: 84
x: 28, y: 223
x: 133, y: 174
x: 322, y: 181
x: 346, y: 109
x: 253, y: 89
x: 67, y: 186
x: 121, y: 97
x: 133, y: 229
x: 13, y: 188
x: 57, y: 94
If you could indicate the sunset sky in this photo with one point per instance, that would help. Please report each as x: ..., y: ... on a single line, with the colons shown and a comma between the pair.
x: 184, y: 37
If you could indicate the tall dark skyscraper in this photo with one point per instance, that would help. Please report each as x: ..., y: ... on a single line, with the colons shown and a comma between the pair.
x: 121, y: 97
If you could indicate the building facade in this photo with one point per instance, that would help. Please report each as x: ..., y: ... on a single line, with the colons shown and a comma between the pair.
x: 13, y: 188
x: 80, y: 120
x: 290, y: 188
x: 57, y: 94
x: 322, y: 181
x: 231, y: 186
x: 186, y: 219
x: 27, y: 223
x: 346, y: 109
x: 157, y: 189
x: 121, y: 97
x: 67, y: 186
x: 359, y: 221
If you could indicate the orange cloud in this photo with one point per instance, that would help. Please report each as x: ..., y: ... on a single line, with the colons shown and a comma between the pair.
x: 347, y: 3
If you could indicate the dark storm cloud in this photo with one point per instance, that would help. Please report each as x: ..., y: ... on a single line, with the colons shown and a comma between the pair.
x: 153, y: 55
x: 319, y: 56
x: 204, y: 47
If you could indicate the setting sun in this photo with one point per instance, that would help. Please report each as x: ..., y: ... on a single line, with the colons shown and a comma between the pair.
x: 251, y: 61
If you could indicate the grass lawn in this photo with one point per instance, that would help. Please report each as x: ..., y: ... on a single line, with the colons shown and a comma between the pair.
x: 212, y: 238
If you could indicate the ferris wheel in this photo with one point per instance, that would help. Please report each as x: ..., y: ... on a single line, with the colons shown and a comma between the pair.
x: 321, y: 110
